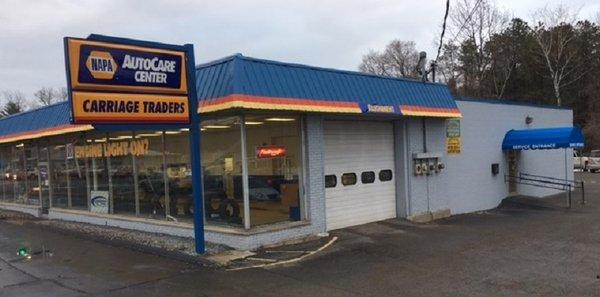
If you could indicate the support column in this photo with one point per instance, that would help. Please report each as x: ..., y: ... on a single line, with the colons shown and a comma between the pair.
x: 245, y: 185
x: 136, y: 188
x: 165, y: 175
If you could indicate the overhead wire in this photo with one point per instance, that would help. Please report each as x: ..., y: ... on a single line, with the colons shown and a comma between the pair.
x: 443, y: 30
x: 466, y: 21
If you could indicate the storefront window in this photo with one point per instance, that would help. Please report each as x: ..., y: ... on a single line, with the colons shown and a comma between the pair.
x: 43, y: 175
x: 7, y: 189
x: 274, y: 167
x: 179, y: 175
x: 18, y: 174
x: 77, y: 164
x: 31, y: 171
x: 148, y: 153
x: 121, y: 173
x: 58, y: 173
x: 222, y: 170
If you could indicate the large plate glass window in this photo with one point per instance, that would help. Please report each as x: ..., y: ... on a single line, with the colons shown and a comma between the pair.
x: 222, y: 170
x: 81, y: 169
x: 147, y: 148
x: 273, y: 147
x: 57, y: 149
x: 121, y: 173
x: 179, y: 175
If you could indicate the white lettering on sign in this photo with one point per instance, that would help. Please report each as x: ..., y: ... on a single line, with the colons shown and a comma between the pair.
x: 149, y: 70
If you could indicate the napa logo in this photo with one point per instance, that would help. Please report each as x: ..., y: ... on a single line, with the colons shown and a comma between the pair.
x: 99, y: 201
x: 101, y: 65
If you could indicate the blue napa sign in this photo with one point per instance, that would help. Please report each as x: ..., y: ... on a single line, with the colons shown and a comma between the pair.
x: 118, y: 67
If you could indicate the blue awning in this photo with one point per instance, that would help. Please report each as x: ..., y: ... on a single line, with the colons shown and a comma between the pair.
x: 547, y: 138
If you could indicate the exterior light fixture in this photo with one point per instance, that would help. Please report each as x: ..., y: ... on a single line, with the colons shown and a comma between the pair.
x: 184, y: 129
x: 253, y: 123
x: 148, y: 134
x: 280, y: 119
x: 172, y: 132
x: 20, y: 145
x: 528, y: 120
x: 217, y: 127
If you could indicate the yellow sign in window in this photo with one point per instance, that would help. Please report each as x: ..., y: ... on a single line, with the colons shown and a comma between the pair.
x: 453, y: 145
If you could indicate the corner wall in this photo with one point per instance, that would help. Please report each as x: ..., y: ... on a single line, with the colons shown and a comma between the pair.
x: 467, y: 183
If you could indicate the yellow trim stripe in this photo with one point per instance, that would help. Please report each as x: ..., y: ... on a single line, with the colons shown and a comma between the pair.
x: 432, y: 114
x: 45, y: 133
x: 281, y: 106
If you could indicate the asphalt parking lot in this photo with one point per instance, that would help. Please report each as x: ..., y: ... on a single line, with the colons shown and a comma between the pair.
x: 511, y: 251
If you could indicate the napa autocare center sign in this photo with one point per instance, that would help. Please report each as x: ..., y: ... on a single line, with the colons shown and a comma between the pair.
x: 112, y: 83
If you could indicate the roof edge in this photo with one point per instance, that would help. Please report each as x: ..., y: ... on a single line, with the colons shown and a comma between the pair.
x: 509, y: 102
x: 33, y: 110
x: 298, y: 65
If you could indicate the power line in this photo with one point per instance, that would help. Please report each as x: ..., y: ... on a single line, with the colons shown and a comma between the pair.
x: 443, y: 30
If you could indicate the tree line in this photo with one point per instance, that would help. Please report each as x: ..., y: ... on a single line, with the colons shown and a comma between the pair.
x: 13, y: 102
x: 549, y: 57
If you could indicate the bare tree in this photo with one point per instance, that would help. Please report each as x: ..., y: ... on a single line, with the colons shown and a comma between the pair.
x: 399, y: 59
x: 449, y: 66
x: 373, y: 63
x: 45, y: 95
x: 472, y: 24
x: 554, y: 34
x: 13, y: 103
x: 62, y: 94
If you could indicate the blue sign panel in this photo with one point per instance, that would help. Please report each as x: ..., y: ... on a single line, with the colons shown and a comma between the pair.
x: 126, y: 67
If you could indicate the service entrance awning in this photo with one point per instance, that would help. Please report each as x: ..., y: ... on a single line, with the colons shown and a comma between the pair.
x: 547, y: 138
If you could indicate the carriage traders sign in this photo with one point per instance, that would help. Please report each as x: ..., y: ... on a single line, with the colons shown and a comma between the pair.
x: 117, y: 83
x: 126, y: 83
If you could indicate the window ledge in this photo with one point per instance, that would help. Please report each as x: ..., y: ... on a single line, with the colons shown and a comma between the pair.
x: 20, y: 205
x: 211, y: 228
x: 258, y: 229
x: 123, y: 218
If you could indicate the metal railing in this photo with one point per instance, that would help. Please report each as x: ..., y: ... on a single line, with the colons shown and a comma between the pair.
x: 550, y: 183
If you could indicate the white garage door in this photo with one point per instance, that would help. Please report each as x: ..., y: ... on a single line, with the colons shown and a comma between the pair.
x: 364, y: 150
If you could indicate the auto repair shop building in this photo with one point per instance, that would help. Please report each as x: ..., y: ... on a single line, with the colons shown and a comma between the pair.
x: 287, y: 151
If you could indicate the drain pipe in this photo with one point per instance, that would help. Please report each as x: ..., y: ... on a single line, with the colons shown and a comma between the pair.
x: 424, y: 125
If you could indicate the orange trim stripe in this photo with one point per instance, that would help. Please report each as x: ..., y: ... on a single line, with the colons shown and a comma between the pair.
x: 291, y: 104
x: 63, y: 129
x: 277, y: 103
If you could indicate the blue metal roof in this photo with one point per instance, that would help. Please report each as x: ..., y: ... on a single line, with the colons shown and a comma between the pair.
x: 547, y: 138
x: 42, y: 118
x: 264, y: 78
x: 239, y: 75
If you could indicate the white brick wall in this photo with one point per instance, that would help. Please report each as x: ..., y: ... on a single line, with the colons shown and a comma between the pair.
x: 467, y: 184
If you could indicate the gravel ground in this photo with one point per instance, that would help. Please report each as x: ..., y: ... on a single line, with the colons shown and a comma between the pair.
x: 139, y: 240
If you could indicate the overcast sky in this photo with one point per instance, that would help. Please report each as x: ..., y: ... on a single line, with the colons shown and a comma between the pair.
x: 316, y: 32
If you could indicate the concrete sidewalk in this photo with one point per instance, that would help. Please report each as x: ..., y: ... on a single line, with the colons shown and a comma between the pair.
x: 512, y: 251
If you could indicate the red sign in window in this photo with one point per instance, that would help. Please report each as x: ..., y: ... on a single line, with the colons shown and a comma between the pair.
x: 271, y: 151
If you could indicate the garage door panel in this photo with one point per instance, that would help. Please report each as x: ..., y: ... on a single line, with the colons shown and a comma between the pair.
x: 357, y: 147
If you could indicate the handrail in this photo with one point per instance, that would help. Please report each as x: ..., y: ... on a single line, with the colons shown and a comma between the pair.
x: 549, y: 183
x: 575, y: 182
